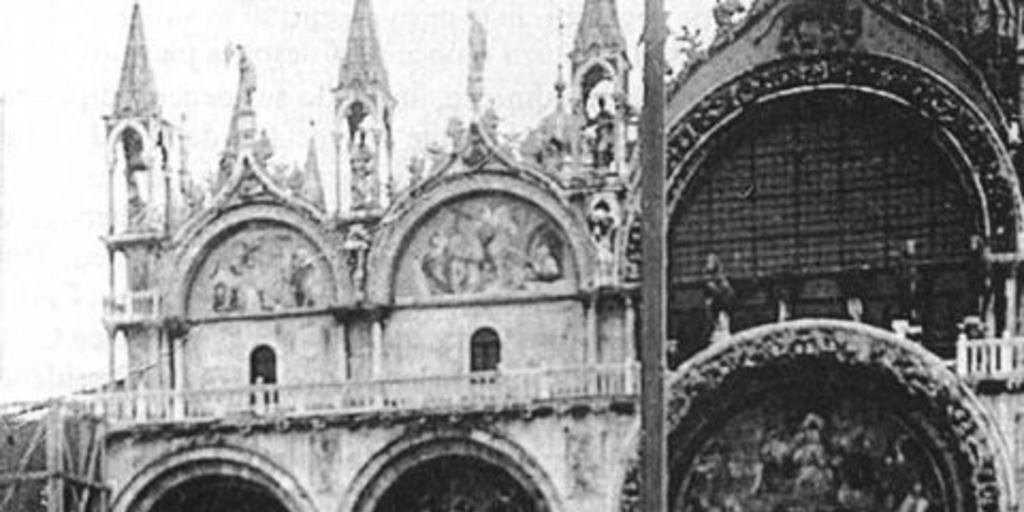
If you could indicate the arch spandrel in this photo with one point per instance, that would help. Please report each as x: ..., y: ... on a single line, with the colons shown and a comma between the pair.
x: 828, y: 413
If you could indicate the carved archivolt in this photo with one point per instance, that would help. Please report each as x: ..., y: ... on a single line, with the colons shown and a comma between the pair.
x: 980, y: 149
x: 814, y: 412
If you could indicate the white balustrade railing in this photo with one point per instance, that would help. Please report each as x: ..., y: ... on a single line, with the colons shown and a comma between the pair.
x: 132, y: 307
x: 468, y: 391
x: 990, y: 359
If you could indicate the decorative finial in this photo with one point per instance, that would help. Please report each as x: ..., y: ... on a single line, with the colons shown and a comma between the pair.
x: 477, y: 60
x: 560, y: 85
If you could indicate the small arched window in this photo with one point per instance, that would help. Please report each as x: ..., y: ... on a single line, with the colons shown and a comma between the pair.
x: 485, y: 351
x: 263, y: 366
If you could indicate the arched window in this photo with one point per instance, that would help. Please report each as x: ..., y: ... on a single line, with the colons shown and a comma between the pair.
x: 485, y: 351
x: 263, y: 366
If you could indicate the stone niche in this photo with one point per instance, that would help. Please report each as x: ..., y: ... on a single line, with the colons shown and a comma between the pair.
x: 832, y: 416
x: 262, y: 268
x: 486, y: 244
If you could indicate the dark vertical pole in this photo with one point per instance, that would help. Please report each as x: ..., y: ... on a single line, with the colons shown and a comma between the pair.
x: 653, y: 465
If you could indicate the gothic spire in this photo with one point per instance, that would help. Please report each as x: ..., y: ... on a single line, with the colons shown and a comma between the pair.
x: 363, y: 65
x: 314, y: 190
x: 136, y: 93
x: 242, y: 130
x: 599, y: 30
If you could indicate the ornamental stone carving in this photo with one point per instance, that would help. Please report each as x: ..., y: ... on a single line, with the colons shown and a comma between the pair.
x: 922, y: 93
x: 826, y: 414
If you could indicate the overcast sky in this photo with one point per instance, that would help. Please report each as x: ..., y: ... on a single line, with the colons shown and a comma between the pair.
x: 59, y: 67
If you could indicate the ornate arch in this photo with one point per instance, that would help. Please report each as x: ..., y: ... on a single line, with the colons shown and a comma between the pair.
x: 401, y: 225
x: 388, y: 465
x: 936, y: 409
x: 195, y: 246
x: 974, y: 139
x: 147, y: 486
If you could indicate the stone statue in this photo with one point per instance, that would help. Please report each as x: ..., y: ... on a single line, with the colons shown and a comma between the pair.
x: 357, y: 245
x: 718, y: 298
x: 477, y: 59
x: 246, y: 80
x: 603, y: 142
x: 363, y: 168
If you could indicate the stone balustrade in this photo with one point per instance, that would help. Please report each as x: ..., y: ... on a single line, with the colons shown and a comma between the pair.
x: 467, y: 391
x: 990, y: 359
x: 131, y: 308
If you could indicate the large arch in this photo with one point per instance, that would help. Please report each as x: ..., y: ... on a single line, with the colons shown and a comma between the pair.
x: 189, y: 470
x: 403, y: 222
x: 452, y: 447
x: 823, y: 410
x: 976, y: 141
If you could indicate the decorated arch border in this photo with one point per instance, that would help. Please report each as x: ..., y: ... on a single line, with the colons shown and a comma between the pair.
x: 150, y: 484
x: 976, y: 140
x: 387, y: 466
x: 944, y: 406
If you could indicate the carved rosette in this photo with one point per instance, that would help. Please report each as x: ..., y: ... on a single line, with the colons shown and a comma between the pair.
x: 892, y: 381
x: 976, y: 140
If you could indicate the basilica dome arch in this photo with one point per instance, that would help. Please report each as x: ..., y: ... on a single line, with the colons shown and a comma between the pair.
x: 481, y: 232
x: 447, y: 468
x: 257, y: 258
x: 221, y: 476
x: 830, y: 414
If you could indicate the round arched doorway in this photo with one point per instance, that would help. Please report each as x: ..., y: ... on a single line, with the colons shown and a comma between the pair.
x: 453, y: 471
x: 456, y: 484
x: 218, y: 493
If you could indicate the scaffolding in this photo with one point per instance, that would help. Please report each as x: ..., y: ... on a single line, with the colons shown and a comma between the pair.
x: 51, y: 458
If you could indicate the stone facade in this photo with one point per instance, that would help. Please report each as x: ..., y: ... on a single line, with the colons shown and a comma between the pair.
x: 469, y: 343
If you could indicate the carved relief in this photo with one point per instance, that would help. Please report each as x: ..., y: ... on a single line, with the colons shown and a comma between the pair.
x: 583, y: 450
x: 485, y: 245
x: 838, y: 456
x: 826, y: 414
x: 262, y: 269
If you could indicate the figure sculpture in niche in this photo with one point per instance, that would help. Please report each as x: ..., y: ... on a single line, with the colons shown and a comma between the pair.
x: 602, y: 135
x: 357, y: 244
x: 602, y: 224
x: 362, y: 173
x: 135, y: 163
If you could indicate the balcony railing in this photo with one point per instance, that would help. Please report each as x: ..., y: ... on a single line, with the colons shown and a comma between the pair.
x: 469, y: 391
x: 991, y: 359
x: 132, y: 308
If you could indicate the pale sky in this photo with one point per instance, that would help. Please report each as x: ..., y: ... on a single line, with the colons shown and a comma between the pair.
x: 59, y: 67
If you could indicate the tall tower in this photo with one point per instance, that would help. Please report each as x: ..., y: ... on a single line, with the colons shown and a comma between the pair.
x: 363, y: 107
x: 141, y: 190
x: 600, y: 85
